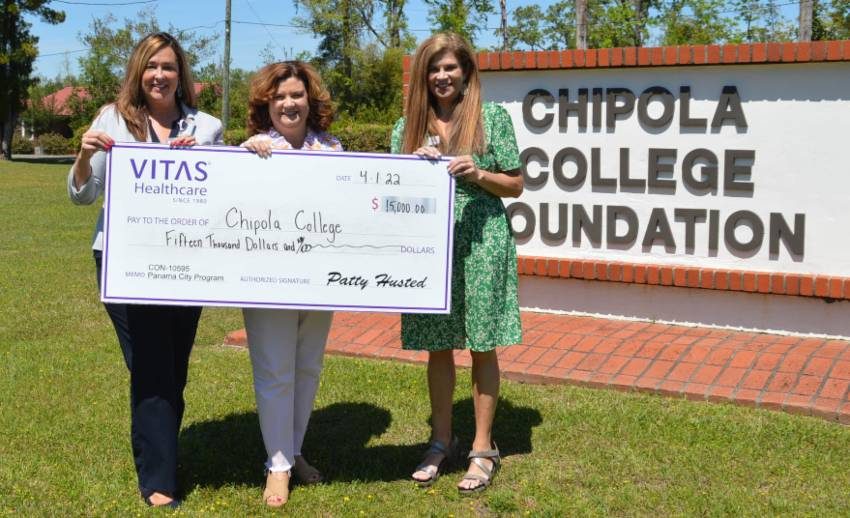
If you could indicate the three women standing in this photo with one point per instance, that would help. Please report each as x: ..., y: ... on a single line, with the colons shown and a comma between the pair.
x: 156, y: 103
x: 444, y: 115
x: 289, y: 108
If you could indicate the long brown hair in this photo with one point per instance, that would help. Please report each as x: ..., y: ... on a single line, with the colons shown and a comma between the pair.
x: 467, y: 131
x: 131, y: 103
x: 263, y: 88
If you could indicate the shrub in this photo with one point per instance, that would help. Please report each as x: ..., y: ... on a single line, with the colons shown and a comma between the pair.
x: 235, y: 136
x: 77, y: 138
x: 22, y: 145
x: 369, y: 138
x: 54, y: 144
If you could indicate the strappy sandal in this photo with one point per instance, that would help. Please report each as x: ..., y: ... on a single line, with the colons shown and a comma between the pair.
x: 305, y: 473
x: 435, y: 448
x: 277, y: 485
x: 487, y: 478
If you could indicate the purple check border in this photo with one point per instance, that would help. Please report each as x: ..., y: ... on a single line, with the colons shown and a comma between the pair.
x: 104, y: 292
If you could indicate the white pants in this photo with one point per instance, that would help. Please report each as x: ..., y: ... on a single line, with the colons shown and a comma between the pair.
x: 287, y: 348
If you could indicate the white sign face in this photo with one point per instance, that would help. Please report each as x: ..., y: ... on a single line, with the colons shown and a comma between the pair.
x: 741, y: 167
x: 219, y: 226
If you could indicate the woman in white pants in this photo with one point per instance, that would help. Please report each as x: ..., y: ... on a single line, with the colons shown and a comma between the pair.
x: 289, y: 108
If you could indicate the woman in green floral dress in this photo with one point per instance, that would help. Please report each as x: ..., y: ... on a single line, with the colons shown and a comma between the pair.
x: 445, y: 116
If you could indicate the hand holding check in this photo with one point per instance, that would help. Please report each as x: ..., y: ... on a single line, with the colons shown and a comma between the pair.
x: 460, y: 166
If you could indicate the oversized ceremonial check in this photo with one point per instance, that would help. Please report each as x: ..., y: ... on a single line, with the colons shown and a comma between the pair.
x: 219, y: 226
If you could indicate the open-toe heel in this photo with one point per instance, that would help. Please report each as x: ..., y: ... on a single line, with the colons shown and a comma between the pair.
x: 276, y: 492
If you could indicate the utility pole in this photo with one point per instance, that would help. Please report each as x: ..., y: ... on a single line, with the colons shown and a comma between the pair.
x: 581, y: 24
x: 806, y: 8
x: 225, y: 101
x: 504, y: 7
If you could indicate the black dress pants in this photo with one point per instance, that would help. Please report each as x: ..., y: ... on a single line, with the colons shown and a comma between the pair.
x: 156, y: 342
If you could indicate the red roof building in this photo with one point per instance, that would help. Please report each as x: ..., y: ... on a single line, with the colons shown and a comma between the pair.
x: 59, y: 101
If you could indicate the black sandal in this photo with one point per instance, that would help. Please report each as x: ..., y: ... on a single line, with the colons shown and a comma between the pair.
x: 485, y: 479
x: 433, y: 472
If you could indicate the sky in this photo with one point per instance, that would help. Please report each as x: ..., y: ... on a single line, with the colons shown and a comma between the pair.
x: 60, y: 46
x: 257, y: 25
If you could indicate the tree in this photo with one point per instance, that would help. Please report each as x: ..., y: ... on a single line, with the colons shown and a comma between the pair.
x: 526, y: 29
x: 396, y: 23
x: 41, y: 114
x: 694, y: 22
x: 835, y: 22
x: 464, y: 17
x: 776, y: 26
x: 376, y: 93
x: 760, y: 22
x: 641, y: 15
x: 559, y: 25
x: 339, y: 23
x: 109, y: 48
x: 18, y: 50
x: 618, y: 23
x: 359, y: 59
x: 210, y: 98
x: 749, y: 13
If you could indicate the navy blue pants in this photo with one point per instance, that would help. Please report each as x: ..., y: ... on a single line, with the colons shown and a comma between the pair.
x: 156, y: 342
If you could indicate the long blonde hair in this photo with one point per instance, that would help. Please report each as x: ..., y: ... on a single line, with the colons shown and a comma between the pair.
x: 131, y: 103
x: 467, y: 130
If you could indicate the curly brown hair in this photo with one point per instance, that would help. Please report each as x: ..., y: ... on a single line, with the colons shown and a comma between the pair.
x: 265, y: 83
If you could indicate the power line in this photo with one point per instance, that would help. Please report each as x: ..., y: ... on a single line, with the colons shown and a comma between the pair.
x: 265, y: 25
x: 251, y: 7
x: 286, y: 25
x: 63, y: 52
x: 212, y: 26
x: 106, y: 3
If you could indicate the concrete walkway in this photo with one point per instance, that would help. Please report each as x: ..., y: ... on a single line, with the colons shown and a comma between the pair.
x: 45, y: 159
x: 808, y: 376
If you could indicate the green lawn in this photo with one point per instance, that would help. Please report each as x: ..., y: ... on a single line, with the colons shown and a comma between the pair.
x: 64, y: 446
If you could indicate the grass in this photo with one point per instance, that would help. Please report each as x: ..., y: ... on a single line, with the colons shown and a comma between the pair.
x: 64, y: 418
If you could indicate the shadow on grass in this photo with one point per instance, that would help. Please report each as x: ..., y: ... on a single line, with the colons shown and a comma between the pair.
x: 223, y: 452
x: 230, y: 451
x: 338, y: 434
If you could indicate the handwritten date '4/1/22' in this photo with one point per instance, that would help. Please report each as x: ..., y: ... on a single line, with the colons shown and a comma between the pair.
x: 380, y: 178
x: 399, y: 205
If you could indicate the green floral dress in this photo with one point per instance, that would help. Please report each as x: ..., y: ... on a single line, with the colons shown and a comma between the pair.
x: 485, y: 310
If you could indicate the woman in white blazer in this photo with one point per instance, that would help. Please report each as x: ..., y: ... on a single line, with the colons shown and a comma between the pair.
x: 156, y: 103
